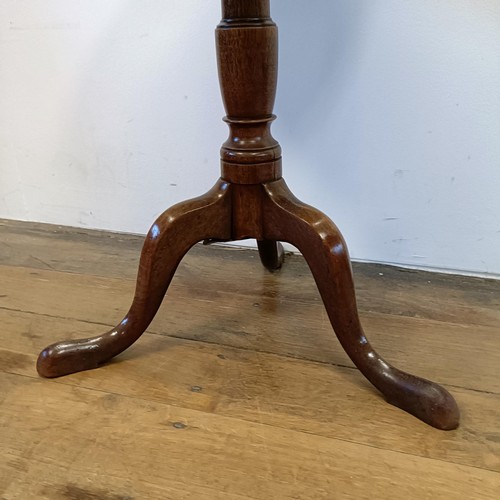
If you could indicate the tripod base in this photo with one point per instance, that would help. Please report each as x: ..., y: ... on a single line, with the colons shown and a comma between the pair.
x: 269, y: 213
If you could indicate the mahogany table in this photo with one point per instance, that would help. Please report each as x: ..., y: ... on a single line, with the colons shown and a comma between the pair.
x: 251, y: 200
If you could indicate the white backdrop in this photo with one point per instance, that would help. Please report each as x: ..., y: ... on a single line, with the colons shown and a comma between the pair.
x: 388, y: 114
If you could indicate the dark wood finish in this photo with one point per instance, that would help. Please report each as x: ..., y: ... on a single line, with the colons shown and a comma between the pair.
x: 324, y: 249
x: 271, y: 254
x: 252, y: 201
x: 247, y: 47
x: 170, y: 237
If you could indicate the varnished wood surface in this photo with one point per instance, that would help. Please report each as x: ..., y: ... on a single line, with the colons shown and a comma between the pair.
x: 325, y: 251
x: 237, y: 389
x: 170, y: 237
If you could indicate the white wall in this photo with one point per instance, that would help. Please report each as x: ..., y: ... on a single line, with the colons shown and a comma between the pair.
x: 389, y: 117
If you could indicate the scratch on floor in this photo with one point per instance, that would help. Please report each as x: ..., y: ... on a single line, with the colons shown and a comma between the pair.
x: 43, y: 262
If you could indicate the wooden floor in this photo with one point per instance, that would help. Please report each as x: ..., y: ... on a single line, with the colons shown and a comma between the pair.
x: 239, y: 389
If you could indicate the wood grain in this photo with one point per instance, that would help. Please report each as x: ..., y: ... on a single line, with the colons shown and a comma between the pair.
x: 384, y: 289
x: 109, y: 446
x: 275, y: 390
x: 265, y: 323
x: 271, y: 410
x: 212, y: 406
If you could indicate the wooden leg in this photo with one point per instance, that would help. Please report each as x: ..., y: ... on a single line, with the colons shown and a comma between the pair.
x: 319, y: 240
x: 271, y: 254
x: 170, y: 237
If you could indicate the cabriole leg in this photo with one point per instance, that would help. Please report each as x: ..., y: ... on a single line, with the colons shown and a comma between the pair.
x: 170, y: 237
x: 324, y: 249
x: 271, y: 254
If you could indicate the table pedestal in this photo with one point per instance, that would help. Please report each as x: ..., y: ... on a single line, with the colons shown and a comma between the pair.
x: 251, y: 200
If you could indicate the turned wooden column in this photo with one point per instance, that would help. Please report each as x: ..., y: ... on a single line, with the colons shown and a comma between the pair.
x: 247, y: 50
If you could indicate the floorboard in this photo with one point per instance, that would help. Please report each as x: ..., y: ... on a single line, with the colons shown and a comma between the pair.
x: 239, y: 389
